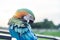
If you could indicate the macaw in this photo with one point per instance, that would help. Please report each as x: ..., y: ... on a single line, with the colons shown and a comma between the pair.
x: 19, y: 25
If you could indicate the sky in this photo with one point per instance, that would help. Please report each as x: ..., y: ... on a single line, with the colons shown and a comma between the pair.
x: 42, y: 9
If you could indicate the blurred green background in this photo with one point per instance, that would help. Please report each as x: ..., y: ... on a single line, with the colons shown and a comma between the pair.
x: 46, y: 27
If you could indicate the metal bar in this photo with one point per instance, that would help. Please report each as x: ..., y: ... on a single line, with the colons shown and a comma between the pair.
x: 4, y: 32
x: 39, y: 36
x: 48, y: 37
x: 5, y: 37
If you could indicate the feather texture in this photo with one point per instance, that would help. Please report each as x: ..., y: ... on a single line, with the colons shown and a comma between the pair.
x: 16, y: 21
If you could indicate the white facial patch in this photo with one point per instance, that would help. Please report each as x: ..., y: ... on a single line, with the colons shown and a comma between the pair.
x: 28, y: 17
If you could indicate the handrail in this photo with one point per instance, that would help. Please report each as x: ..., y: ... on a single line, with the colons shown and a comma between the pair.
x: 38, y: 35
x: 48, y: 37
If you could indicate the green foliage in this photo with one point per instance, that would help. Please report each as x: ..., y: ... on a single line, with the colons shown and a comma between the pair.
x: 46, y: 32
x: 58, y: 26
x: 45, y: 24
x: 52, y: 33
x: 42, y: 39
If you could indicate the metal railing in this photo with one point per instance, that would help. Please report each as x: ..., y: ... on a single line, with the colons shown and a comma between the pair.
x: 5, y: 31
x: 48, y: 37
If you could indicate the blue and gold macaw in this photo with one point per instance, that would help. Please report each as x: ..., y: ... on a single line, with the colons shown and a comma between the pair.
x: 19, y: 25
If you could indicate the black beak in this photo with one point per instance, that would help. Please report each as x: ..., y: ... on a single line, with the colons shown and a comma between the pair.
x: 30, y: 21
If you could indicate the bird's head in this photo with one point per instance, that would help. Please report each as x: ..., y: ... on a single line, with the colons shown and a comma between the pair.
x: 25, y: 14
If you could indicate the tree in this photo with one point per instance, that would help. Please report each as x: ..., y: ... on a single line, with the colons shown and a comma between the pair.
x: 58, y: 26
x: 45, y: 24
